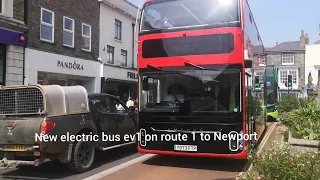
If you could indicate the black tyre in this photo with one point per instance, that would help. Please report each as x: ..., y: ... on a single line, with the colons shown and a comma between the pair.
x: 83, y: 155
x: 271, y: 119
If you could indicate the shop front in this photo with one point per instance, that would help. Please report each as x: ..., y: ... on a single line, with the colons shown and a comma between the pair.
x: 120, y: 82
x: 53, y: 69
x: 11, y: 57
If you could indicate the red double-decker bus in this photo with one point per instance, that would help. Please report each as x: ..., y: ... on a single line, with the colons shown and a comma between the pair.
x: 194, y: 91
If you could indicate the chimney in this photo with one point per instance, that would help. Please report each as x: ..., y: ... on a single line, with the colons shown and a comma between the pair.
x: 302, y: 38
x: 307, y: 39
x: 277, y: 43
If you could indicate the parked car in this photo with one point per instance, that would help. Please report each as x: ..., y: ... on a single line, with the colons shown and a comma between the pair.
x: 59, y: 115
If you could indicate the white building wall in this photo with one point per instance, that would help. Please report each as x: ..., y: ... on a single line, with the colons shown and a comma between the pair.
x: 124, y: 12
x: 40, y: 61
x: 312, y: 58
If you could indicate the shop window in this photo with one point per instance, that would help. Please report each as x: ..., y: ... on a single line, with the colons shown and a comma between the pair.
x: 124, y: 58
x: 47, y: 25
x: 45, y: 78
x: 68, y: 32
x: 1, y: 6
x: 86, y: 37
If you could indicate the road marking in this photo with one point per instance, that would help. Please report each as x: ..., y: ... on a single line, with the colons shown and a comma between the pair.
x: 264, y: 141
x: 147, y: 156
x: 119, y: 167
x: 261, y: 146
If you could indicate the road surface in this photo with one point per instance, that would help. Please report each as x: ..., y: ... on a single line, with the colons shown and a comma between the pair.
x: 156, y: 167
x: 126, y: 163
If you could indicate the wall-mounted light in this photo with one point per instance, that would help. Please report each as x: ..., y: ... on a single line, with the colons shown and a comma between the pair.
x: 22, y: 38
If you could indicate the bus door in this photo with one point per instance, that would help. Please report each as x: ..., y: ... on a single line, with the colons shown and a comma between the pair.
x: 250, y: 120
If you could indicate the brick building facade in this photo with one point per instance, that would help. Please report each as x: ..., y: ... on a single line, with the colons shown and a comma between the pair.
x: 12, y: 30
x: 289, y: 58
x: 63, y: 43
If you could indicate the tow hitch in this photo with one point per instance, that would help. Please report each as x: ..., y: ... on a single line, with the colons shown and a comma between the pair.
x: 4, y: 163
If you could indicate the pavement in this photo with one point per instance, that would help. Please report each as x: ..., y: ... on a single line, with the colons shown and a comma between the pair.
x: 276, y: 136
x: 54, y: 170
x: 126, y: 163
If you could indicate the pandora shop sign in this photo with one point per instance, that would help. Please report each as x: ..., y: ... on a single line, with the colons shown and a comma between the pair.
x: 70, y: 65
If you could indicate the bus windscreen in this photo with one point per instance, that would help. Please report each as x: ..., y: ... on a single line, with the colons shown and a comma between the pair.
x: 198, y: 91
x: 177, y: 14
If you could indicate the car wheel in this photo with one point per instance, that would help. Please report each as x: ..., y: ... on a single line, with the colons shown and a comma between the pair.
x: 82, y: 156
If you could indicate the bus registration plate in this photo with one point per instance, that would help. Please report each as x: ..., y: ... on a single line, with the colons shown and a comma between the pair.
x: 185, y: 148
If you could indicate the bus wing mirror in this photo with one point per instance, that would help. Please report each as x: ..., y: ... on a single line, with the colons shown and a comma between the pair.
x: 145, y: 84
x: 247, y: 63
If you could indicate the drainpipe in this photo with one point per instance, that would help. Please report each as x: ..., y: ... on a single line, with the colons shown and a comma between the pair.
x: 133, y: 55
x: 26, y: 3
x: 24, y: 65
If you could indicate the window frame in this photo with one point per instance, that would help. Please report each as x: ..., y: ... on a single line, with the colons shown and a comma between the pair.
x: 262, y: 59
x: 113, y: 108
x: 284, y: 78
x: 47, y: 24
x: 68, y: 31
x: 124, y: 54
x: 260, y: 76
x: 287, y: 63
x: 110, y: 52
x: 2, y: 7
x: 294, y: 74
x: 100, y: 98
x: 118, y: 27
x: 86, y: 36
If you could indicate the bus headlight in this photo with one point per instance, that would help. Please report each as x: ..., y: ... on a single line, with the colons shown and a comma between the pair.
x: 233, y: 141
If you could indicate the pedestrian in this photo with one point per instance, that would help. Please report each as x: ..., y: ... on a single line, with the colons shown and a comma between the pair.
x: 130, y: 102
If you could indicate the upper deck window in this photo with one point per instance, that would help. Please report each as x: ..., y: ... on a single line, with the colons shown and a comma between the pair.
x: 188, y: 46
x: 182, y: 14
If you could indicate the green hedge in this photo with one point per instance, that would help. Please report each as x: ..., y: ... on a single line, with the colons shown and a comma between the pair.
x: 254, y: 108
x: 281, y: 163
x: 304, y: 122
x: 287, y: 103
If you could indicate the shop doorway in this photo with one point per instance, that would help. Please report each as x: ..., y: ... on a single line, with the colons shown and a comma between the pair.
x: 113, y: 90
x: 121, y: 89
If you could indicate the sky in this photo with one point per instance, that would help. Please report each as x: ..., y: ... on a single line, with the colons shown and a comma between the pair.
x: 283, y: 20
